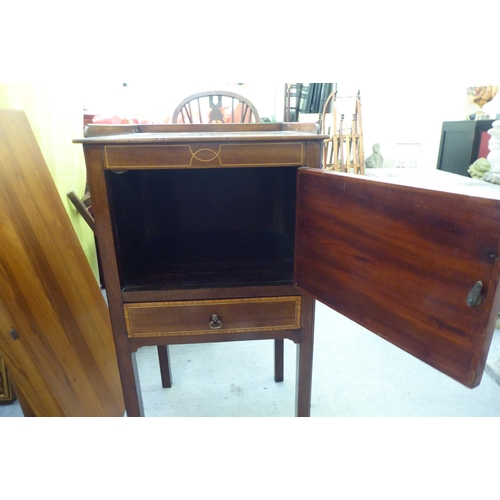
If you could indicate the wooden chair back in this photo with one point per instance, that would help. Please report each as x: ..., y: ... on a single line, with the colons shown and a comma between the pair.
x: 217, y: 106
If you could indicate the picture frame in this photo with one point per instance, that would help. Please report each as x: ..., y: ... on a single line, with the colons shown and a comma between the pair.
x: 7, y: 393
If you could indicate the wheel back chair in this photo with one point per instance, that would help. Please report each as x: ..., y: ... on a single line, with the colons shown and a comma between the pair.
x: 216, y: 106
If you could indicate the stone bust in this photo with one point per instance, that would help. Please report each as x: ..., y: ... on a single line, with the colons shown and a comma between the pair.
x: 375, y: 160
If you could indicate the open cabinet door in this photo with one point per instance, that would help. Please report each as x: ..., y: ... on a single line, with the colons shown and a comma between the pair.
x: 417, y: 266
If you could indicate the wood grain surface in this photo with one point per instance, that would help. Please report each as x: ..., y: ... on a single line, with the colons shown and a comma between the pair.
x: 55, y: 333
x: 401, y: 261
x: 193, y: 317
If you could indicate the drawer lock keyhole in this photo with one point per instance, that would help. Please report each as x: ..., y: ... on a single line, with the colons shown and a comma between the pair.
x: 215, y: 323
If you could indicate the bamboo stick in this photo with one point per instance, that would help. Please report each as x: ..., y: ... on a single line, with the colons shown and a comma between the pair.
x: 348, y: 148
x: 344, y: 147
x: 335, y: 142
x: 354, y: 145
x: 328, y: 149
x: 360, y: 132
x: 341, y: 142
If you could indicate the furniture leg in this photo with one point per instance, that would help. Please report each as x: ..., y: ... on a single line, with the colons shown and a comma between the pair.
x: 304, y: 379
x: 305, y: 360
x: 279, y: 360
x: 165, y: 369
x: 131, y: 385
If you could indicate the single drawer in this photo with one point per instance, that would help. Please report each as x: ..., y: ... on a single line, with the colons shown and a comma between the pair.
x: 210, y: 154
x: 212, y: 316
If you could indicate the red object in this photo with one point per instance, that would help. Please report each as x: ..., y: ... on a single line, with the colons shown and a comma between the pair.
x: 115, y: 119
x: 484, y: 150
x: 121, y: 119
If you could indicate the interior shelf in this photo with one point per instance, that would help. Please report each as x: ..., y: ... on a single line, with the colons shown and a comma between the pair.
x: 199, y: 260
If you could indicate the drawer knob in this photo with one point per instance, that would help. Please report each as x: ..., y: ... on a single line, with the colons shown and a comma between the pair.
x: 215, y: 322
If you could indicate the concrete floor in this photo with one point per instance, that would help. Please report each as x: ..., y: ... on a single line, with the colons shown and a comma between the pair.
x: 356, y: 374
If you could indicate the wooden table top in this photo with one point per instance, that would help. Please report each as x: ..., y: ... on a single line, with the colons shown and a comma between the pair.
x: 131, y: 133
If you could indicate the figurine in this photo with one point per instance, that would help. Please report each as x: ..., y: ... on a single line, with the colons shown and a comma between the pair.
x: 375, y: 160
x: 479, y: 168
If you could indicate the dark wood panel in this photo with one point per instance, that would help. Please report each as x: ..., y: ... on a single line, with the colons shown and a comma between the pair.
x: 294, y: 335
x: 215, y: 199
x: 400, y: 261
x: 162, y: 295
x: 189, y: 261
x: 263, y: 154
x: 205, y: 155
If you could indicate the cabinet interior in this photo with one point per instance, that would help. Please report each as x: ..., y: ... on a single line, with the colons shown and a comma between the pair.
x: 192, y: 228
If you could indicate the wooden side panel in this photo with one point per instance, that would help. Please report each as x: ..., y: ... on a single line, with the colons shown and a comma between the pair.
x: 55, y: 333
x: 401, y: 261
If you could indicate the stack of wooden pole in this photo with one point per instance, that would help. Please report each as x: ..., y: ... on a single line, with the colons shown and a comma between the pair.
x: 344, y: 149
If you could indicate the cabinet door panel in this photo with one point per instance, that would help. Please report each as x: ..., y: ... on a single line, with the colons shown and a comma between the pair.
x: 401, y: 262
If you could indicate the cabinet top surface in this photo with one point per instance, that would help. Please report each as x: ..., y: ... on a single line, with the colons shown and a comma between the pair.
x: 154, y: 134
x: 436, y: 180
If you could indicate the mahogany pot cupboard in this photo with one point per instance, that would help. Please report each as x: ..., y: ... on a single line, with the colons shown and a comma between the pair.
x: 229, y: 232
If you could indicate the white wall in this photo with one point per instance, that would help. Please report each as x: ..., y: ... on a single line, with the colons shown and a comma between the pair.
x: 159, y: 98
x: 392, y: 111
x: 412, y: 112
x: 397, y: 113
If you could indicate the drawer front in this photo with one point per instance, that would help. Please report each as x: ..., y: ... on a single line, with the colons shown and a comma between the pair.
x: 205, y: 155
x: 197, y: 317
